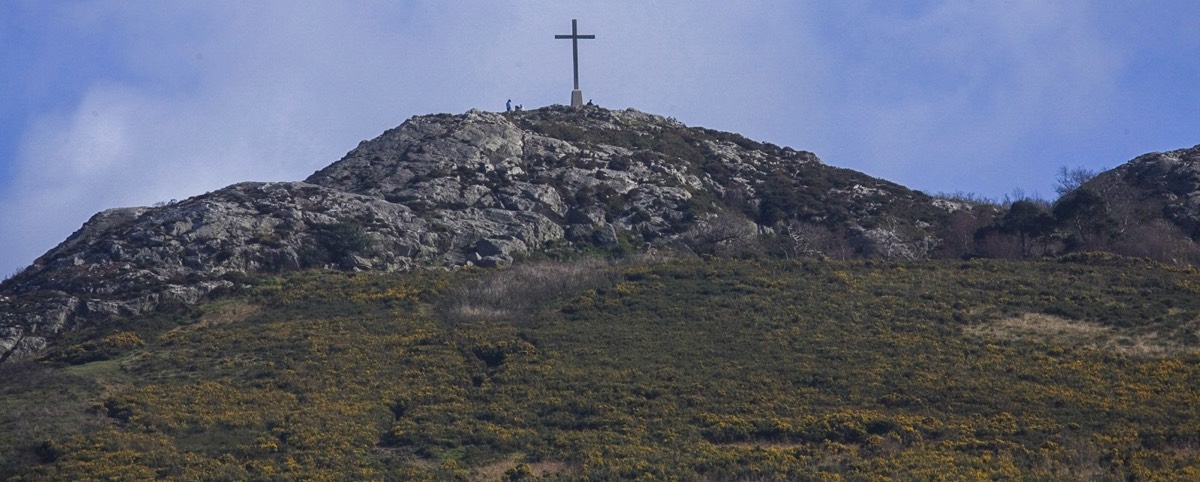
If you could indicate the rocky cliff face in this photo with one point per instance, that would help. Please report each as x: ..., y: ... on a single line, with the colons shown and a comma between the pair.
x: 450, y: 190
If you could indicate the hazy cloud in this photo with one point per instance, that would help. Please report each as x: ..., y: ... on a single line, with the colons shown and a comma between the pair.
x: 145, y: 101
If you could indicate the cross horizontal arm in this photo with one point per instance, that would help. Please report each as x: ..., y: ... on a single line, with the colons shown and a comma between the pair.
x: 575, y: 36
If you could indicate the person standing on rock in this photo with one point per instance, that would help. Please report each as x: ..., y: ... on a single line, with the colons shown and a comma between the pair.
x: 508, y: 106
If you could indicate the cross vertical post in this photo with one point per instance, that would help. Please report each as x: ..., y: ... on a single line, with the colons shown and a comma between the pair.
x: 576, y: 95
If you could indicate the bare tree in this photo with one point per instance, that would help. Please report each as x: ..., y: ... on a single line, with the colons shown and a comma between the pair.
x: 896, y: 240
x: 1159, y: 240
x: 727, y: 232
x: 994, y: 243
x: 958, y: 234
x: 795, y: 239
x: 1070, y: 179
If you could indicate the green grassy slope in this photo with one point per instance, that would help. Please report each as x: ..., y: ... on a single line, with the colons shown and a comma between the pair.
x: 1076, y: 369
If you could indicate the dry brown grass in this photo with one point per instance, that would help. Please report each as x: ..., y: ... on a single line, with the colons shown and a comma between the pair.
x: 228, y: 312
x: 520, y: 289
x: 495, y: 471
x: 763, y: 445
x: 1042, y: 326
x: 1055, y: 329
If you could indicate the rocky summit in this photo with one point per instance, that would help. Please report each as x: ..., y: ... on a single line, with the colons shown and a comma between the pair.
x: 454, y: 190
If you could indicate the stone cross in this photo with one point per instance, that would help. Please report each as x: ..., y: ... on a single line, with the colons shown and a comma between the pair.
x: 576, y: 95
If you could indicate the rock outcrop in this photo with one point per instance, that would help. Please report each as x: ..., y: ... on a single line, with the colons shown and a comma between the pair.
x: 450, y: 190
x: 1158, y: 185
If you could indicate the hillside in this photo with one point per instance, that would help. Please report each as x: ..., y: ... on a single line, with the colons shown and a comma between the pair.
x: 1082, y: 368
x: 567, y: 294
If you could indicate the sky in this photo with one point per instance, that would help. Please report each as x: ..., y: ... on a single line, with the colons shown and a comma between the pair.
x: 117, y: 103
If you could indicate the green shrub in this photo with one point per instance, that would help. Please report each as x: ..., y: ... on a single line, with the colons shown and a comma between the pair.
x: 104, y: 348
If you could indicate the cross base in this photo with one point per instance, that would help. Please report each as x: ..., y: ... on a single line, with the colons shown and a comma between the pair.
x: 576, y: 98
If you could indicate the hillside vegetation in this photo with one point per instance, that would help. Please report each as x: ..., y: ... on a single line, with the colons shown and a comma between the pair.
x: 1078, y: 368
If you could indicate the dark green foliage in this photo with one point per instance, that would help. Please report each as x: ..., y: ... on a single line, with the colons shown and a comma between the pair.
x: 1028, y: 218
x: 1085, y: 214
x: 336, y: 244
x: 779, y: 200
x: 1029, y: 221
x: 104, y: 348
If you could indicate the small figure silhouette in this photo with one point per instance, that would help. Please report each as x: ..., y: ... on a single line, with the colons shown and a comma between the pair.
x: 508, y: 106
x: 590, y: 102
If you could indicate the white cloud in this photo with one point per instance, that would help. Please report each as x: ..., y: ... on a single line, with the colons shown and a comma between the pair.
x: 193, y: 96
x: 258, y: 104
x: 207, y: 94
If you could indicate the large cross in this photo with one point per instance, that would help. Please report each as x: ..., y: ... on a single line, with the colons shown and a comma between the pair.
x: 576, y: 95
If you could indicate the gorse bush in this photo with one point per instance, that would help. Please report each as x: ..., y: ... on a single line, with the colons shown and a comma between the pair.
x: 685, y: 369
x: 336, y: 245
x: 100, y: 349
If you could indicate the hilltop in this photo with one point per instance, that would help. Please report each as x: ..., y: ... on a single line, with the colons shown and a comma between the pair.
x: 473, y: 189
x: 482, y: 189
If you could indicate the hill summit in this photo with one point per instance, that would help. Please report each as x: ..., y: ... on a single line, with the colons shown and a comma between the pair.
x: 477, y: 188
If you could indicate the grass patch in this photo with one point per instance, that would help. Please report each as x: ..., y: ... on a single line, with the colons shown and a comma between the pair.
x: 1051, y: 329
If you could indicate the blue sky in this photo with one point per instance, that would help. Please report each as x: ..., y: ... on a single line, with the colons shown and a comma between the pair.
x: 132, y: 102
